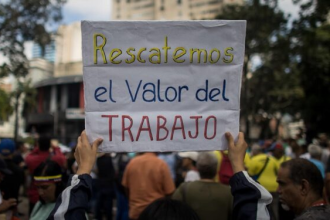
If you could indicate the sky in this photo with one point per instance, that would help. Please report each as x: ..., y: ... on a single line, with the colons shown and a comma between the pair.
x: 77, y: 10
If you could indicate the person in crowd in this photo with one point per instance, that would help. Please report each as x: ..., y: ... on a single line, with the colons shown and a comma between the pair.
x: 106, y: 192
x: 146, y: 179
x: 263, y: 168
x: 70, y: 162
x: 278, y: 153
x: 224, y: 169
x: 300, y: 190
x: 120, y: 161
x: 189, y: 165
x: 47, y: 178
x: 323, y: 140
x: 280, y: 157
x: 250, y: 198
x: 296, y: 149
x: 327, y: 181
x: 73, y: 202
x: 210, y: 200
x: 5, y: 204
x: 10, y: 185
x: 19, y: 154
x: 170, y: 159
x: 168, y: 209
x: 315, y: 152
x: 41, y: 153
x: 325, y: 154
x: 255, y: 150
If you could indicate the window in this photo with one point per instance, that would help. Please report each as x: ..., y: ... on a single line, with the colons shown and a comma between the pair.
x: 73, y: 95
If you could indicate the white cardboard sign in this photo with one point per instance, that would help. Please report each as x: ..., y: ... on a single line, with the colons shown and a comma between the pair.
x: 162, y: 85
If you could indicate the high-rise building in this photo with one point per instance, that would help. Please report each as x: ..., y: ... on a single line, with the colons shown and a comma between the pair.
x: 168, y: 10
x: 48, y: 53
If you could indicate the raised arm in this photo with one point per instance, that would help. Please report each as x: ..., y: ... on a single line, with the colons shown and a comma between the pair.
x: 73, y: 202
x: 250, y: 198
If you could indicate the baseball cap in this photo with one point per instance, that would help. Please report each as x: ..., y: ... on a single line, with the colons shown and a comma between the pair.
x: 189, y: 154
x: 7, y: 147
x: 276, y: 145
x: 3, y: 168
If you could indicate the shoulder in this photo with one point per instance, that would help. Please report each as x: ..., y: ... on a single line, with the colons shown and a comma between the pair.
x: 224, y: 189
x: 318, y: 212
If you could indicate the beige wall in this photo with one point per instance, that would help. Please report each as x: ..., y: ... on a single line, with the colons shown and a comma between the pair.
x: 68, y: 59
x: 168, y: 9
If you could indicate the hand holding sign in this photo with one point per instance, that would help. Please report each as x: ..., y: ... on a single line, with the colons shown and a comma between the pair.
x: 162, y: 86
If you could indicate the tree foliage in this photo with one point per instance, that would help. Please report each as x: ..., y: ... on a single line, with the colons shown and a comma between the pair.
x: 293, y: 76
x: 20, y: 21
x: 5, y: 108
x: 311, y: 47
x: 272, y: 86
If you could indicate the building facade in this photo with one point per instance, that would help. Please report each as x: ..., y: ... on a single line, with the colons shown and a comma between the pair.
x: 60, y: 108
x: 60, y: 101
x: 168, y: 10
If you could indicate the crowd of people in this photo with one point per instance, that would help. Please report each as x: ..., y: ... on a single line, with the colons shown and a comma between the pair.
x: 269, y: 179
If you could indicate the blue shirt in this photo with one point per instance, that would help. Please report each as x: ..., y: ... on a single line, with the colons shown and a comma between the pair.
x: 319, y: 166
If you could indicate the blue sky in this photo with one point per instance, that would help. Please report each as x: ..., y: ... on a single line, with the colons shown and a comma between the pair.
x: 77, y: 10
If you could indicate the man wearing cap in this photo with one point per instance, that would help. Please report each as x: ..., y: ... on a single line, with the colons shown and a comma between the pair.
x: 11, y: 184
x: 189, y: 163
x: 278, y: 153
x: 5, y: 204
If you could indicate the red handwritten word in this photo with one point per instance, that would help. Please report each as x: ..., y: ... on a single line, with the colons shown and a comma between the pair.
x: 210, y: 126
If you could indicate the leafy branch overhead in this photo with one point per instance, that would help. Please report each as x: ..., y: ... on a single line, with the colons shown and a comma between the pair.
x: 292, y: 75
x: 25, y: 20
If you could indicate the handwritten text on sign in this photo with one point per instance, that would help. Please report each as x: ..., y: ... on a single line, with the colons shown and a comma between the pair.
x: 162, y: 86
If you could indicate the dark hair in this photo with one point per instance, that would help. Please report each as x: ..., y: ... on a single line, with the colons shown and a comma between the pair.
x: 304, y: 169
x: 44, y: 143
x: 50, y: 168
x: 168, y: 209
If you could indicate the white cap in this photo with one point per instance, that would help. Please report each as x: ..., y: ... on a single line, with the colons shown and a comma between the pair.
x: 190, y: 154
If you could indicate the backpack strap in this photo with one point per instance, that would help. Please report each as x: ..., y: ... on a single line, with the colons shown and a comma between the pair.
x: 256, y: 177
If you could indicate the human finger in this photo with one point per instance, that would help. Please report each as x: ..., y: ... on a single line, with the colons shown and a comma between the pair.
x: 230, y: 139
x: 77, y: 156
x: 78, y: 142
x: 97, y: 143
x: 84, y: 138
x: 241, y: 140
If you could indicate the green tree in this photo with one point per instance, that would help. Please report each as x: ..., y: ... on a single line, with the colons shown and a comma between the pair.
x: 311, y: 48
x: 21, y: 21
x: 6, y: 108
x: 272, y: 86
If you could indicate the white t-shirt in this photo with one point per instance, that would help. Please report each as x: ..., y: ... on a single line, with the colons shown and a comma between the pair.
x: 192, y: 175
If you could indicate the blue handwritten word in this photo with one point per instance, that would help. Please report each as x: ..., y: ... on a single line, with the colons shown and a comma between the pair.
x: 151, y: 92
x: 203, y: 94
x: 102, y: 90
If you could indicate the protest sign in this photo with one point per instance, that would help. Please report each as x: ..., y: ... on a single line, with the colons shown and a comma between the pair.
x: 162, y: 85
